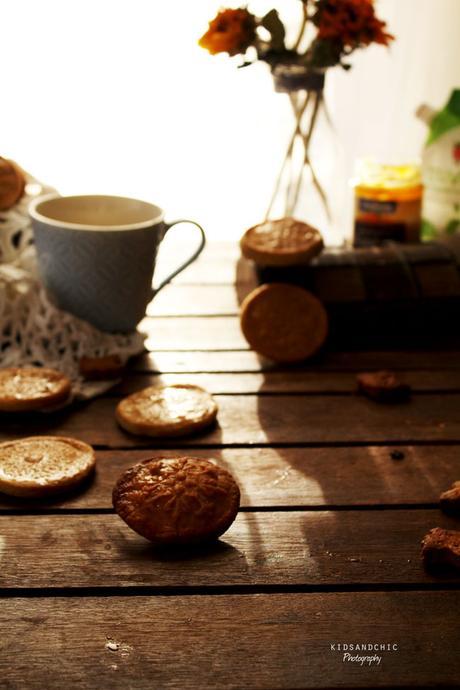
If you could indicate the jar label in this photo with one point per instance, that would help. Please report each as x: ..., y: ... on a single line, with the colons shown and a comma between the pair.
x: 379, y: 207
x: 369, y: 234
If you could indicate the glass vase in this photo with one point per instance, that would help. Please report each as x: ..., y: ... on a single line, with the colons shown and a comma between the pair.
x: 311, y: 184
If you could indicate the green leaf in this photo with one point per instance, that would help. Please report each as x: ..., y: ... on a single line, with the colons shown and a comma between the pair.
x: 452, y: 227
x: 428, y: 230
x: 275, y: 27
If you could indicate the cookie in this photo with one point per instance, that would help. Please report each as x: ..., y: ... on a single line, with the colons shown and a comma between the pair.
x: 174, y: 410
x: 283, y: 322
x: 383, y: 386
x: 450, y: 500
x: 40, y: 466
x: 101, y: 368
x: 12, y: 184
x: 441, y: 549
x: 24, y: 389
x: 283, y: 242
x: 173, y: 501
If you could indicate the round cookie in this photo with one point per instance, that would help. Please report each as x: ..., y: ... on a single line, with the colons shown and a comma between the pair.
x: 12, y: 184
x: 283, y: 322
x: 174, y: 410
x: 39, y: 466
x: 173, y: 501
x: 24, y: 389
x: 283, y: 242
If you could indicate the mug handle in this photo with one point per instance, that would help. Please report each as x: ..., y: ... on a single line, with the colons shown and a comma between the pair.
x: 191, y: 258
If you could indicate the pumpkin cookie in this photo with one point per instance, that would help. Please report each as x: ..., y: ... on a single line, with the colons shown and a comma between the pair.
x: 24, y: 389
x: 283, y: 322
x: 12, y: 184
x: 174, y: 410
x: 39, y: 466
x: 179, y: 500
x: 283, y: 242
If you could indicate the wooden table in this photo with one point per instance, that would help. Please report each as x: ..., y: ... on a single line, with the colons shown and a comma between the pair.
x: 325, y: 551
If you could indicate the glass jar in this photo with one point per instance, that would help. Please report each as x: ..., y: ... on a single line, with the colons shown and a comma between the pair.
x: 388, y: 203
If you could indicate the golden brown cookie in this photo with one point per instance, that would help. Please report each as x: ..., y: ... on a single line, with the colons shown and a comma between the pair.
x: 39, y: 466
x: 283, y: 242
x: 101, y: 368
x: 174, y: 410
x: 383, y: 386
x: 441, y: 549
x: 450, y: 500
x: 179, y: 500
x: 283, y: 322
x: 24, y: 389
x: 12, y: 184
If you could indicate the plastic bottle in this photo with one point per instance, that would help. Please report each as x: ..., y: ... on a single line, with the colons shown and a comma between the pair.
x: 441, y: 169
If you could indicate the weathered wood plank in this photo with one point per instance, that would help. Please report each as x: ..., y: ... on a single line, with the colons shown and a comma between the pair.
x: 207, y: 333
x: 217, y: 270
x: 307, y: 477
x: 248, y: 361
x: 286, y: 382
x: 197, y: 300
x: 268, y: 548
x: 193, y: 333
x: 220, y: 263
x: 266, y: 420
x: 255, y: 641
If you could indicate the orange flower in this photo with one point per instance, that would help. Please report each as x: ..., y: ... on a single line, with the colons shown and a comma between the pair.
x: 351, y: 23
x: 231, y: 31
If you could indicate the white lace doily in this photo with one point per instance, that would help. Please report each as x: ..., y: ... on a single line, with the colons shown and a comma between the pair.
x: 32, y: 330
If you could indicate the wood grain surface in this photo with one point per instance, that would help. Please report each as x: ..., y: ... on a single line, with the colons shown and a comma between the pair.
x: 325, y: 548
x: 314, y: 549
x: 290, y: 477
x: 265, y: 420
x: 254, y: 641
x: 246, y: 361
x: 310, y: 382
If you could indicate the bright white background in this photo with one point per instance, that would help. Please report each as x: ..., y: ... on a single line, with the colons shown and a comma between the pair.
x: 114, y: 96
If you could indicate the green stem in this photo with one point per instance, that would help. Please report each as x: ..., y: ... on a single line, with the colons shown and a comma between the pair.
x: 306, y: 142
x: 303, y: 26
x: 298, y: 113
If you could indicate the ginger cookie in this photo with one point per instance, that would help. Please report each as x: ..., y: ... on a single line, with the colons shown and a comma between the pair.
x: 174, y: 410
x: 450, y: 500
x: 12, y: 184
x: 24, y: 389
x: 441, y: 549
x: 39, y: 466
x: 383, y: 386
x: 283, y: 322
x: 283, y: 242
x: 173, y: 501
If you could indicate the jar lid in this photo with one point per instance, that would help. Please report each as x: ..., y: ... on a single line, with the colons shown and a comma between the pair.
x: 376, y: 175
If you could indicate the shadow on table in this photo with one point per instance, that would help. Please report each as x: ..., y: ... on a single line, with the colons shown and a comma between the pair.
x: 213, y: 551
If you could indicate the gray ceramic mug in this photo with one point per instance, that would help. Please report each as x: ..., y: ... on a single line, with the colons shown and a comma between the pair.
x: 96, y: 255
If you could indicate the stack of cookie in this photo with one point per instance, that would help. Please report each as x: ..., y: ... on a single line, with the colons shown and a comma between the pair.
x: 281, y: 321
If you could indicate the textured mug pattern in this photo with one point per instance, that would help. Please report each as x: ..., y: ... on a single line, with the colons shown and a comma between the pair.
x: 104, y: 277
